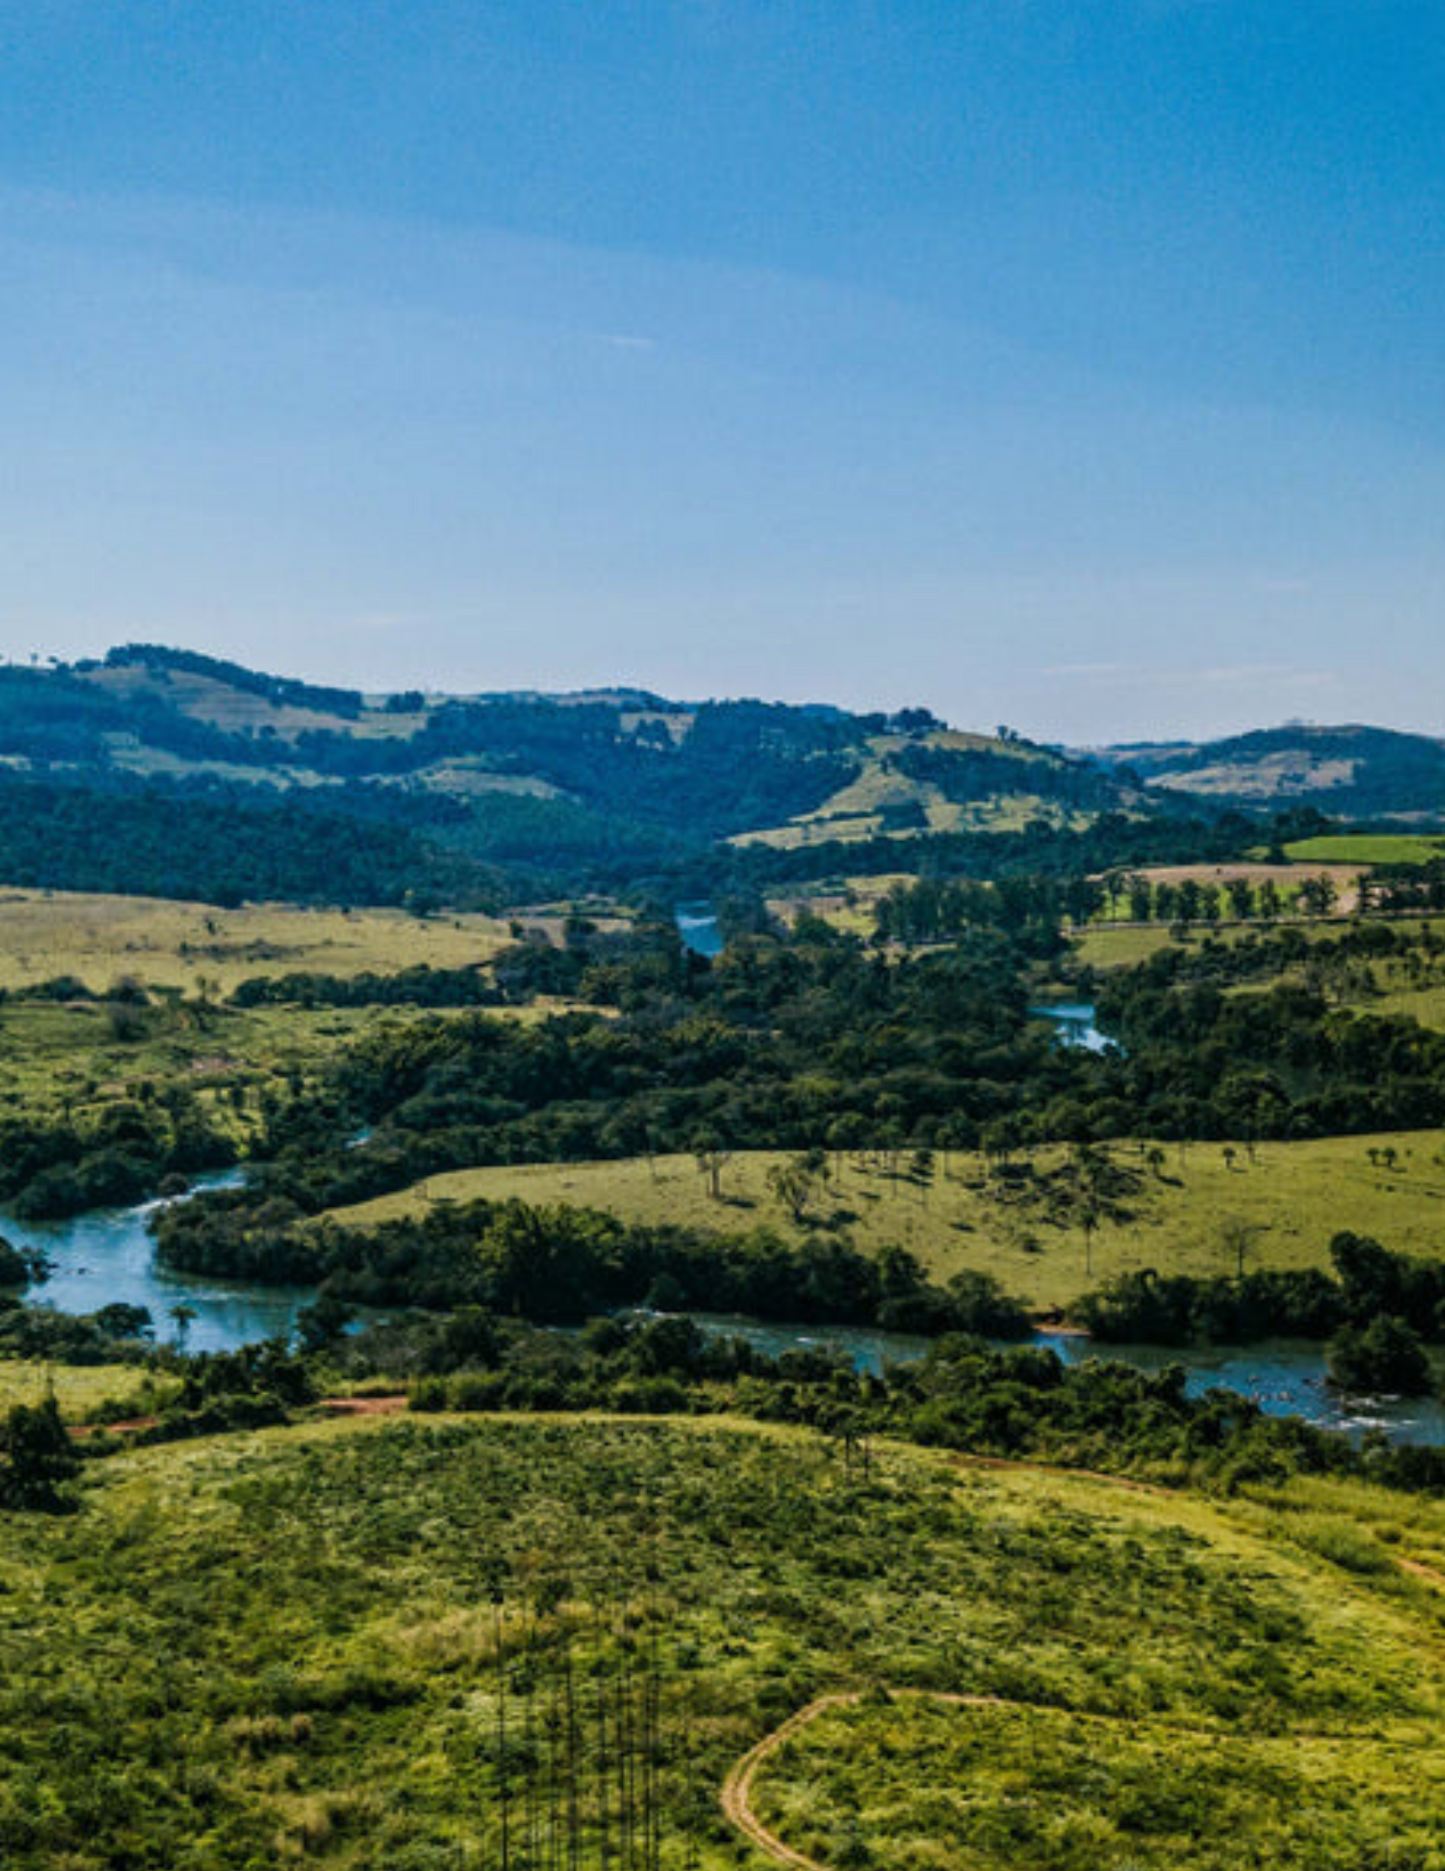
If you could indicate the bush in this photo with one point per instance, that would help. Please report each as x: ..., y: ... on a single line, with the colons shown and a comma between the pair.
x: 1385, y: 1355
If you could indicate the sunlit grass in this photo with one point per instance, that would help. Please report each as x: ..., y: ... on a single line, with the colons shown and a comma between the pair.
x: 1290, y: 1197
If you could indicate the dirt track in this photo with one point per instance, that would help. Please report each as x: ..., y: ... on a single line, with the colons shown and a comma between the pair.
x: 737, y: 1789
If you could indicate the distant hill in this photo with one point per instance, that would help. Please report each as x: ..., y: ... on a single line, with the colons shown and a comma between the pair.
x: 509, y: 792
x: 1352, y: 771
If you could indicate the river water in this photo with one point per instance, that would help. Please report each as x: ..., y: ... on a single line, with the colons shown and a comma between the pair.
x: 109, y: 1255
x: 1285, y: 1377
x: 697, y: 925
x: 1075, y: 1023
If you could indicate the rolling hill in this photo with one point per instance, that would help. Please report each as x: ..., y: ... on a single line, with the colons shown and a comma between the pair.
x: 135, y: 771
x: 1351, y: 771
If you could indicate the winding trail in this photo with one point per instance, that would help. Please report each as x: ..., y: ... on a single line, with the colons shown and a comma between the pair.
x: 737, y: 1789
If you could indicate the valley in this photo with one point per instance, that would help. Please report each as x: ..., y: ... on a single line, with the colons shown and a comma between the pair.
x: 632, y: 1336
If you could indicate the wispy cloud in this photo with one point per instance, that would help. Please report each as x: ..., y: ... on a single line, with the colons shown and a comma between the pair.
x: 1215, y: 676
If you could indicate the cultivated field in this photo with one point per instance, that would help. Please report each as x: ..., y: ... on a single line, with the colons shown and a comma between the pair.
x: 1366, y: 848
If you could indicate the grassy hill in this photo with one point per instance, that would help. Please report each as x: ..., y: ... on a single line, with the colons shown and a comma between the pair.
x: 908, y: 786
x: 455, y: 1642
x: 1183, y: 1216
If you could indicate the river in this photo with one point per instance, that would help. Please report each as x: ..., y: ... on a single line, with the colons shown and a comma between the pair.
x: 697, y: 925
x: 1075, y: 1023
x: 109, y: 1255
x: 1285, y: 1377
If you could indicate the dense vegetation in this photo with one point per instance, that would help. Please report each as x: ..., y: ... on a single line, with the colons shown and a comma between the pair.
x: 1378, y: 1311
x: 563, y: 1264
x: 61, y: 1166
x: 447, y: 1645
x: 219, y: 844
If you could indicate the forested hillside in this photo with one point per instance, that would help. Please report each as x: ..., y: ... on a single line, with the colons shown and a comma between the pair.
x: 1359, y: 771
x: 161, y: 770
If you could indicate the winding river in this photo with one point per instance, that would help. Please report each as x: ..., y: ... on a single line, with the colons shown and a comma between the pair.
x: 109, y: 1255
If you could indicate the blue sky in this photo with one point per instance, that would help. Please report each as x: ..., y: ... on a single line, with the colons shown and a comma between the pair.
x: 1074, y: 366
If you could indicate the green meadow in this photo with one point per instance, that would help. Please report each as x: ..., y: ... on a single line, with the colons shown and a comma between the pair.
x: 429, y: 1643
x: 99, y: 940
x: 1366, y: 848
x: 1183, y: 1209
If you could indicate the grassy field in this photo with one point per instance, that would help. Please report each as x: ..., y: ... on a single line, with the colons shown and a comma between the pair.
x: 1365, y: 848
x: 294, y: 1647
x: 103, y: 939
x: 1126, y: 945
x: 57, y: 1058
x: 1182, y: 1215
x: 80, y: 1390
x: 1425, y: 1004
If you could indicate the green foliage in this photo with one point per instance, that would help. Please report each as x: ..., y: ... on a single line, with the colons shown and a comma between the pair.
x: 563, y: 1264
x: 1385, y: 1355
x: 1059, y: 1791
x: 221, y: 846
x: 37, y: 1458
x: 289, y: 1646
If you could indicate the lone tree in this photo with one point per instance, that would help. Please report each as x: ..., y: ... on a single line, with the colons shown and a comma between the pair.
x: 37, y: 1457
x: 1237, y: 1236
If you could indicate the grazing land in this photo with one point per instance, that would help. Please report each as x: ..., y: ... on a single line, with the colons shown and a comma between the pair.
x: 1370, y: 848
x: 100, y: 940
x: 79, y: 1389
x: 1021, y: 1224
x: 376, y: 1642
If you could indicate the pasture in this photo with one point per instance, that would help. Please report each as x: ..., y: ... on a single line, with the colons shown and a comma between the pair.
x: 102, y: 940
x: 1178, y: 1209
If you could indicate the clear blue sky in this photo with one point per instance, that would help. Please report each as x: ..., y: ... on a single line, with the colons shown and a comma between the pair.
x: 1080, y: 366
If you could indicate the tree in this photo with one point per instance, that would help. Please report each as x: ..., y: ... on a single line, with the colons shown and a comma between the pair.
x: 712, y: 1157
x: 794, y: 1180
x: 15, y: 1267
x: 1385, y: 1355
x: 37, y: 1457
x: 1317, y: 895
x: 1236, y: 1237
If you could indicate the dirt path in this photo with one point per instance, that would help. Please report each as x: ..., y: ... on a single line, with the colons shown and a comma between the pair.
x: 1419, y: 1570
x: 737, y: 1789
x: 128, y: 1426
x: 365, y: 1406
